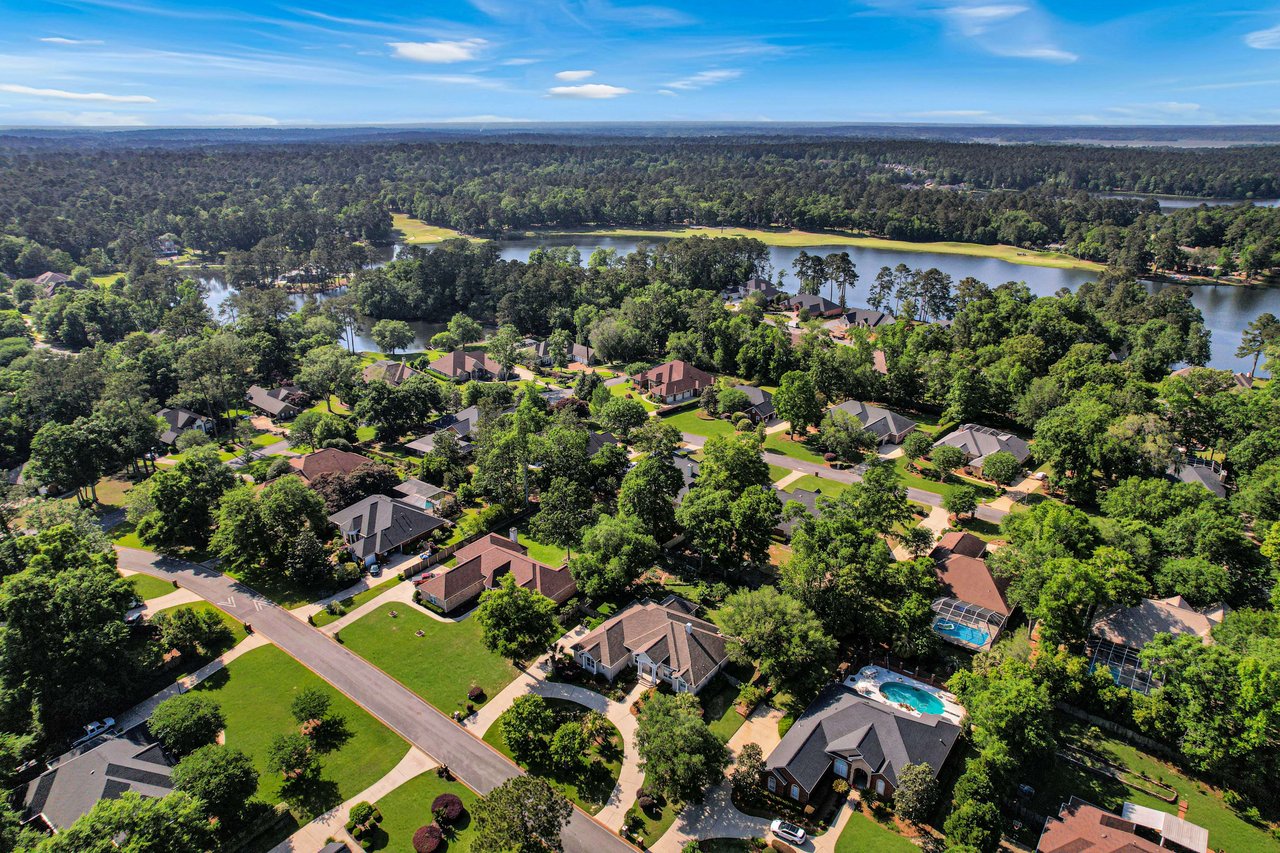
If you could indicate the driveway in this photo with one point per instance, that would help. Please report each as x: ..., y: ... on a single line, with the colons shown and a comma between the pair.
x: 401, y: 710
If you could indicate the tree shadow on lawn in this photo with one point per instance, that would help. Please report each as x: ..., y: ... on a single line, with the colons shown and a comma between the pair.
x: 312, y: 795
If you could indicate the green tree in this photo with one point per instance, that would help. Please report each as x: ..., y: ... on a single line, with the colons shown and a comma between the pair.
x: 748, y: 770
x: 1261, y: 333
x: 796, y: 400
x: 657, y: 438
x: 842, y: 434
x: 192, y: 632
x: 916, y: 446
x: 621, y: 415
x: 445, y: 465
x: 504, y: 346
x: 1001, y: 467
x: 291, y: 756
x: 223, y: 778
x: 183, y: 498
x: 310, y: 704
x: 916, y: 793
x: 568, y: 746
x: 464, y: 329
x: 649, y: 492
x: 564, y: 510
x: 962, y: 500
x: 730, y: 530
x: 680, y: 756
x: 186, y: 722
x: 172, y: 824
x: 616, y: 551
x: 392, y: 335
x: 515, y: 622
x: 947, y: 459
x: 1201, y: 582
x: 780, y: 636
x: 526, y: 726
x: 329, y: 370
x: 522, y: 815
x: 258, y: 532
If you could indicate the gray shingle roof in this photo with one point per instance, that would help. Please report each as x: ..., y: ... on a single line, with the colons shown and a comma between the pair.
x: 880, y: 422
x: 178, y: 421
x: 668, y: 633
x: 981, y: 441
x: 382, y: 524
x: 761, y: 400
x: 840, y: 722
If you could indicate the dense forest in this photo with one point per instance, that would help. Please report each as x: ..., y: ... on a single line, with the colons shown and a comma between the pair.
x: 66, y: 208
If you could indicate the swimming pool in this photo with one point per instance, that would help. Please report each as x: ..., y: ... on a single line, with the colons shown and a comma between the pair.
x: 922, y: 701
x: 965, y: 634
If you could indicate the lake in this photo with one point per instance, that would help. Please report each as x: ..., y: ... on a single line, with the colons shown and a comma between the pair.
x: 1227, y: 309
x: 1176, y: 202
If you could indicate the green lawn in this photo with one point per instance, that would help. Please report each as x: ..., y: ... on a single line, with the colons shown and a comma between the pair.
x: 813, y: 483
x: 147, y: 587
x: 416, y: 232
x: 781, y: 443
x: 862, y: 833
x: 408, y: 807
x: 655, y: 827
x: 777, y: 472
x: 255, y: 691
x: 551, y: 555
x: 913, y: 480
x: 622, y: 389
x: 235, y: 625
x: 123, y: 534
x: 696, y: 422
x: 718, y: 699
x: 590, y: 785
x: 1057, y: 780
x: 439, y: 666
x: 324, y: 617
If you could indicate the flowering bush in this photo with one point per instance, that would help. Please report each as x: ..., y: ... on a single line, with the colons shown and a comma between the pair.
x: 427, y: 838
x: 447, y: 807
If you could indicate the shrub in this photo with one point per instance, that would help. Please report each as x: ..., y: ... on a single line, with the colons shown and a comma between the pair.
x: 427, y: 839
x: 829, y: 457
x: 447, y: 808
x: 476, y: 693
x: 362, y: 813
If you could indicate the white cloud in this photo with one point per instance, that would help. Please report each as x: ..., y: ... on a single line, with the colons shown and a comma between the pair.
x: 438, y: 51
x: 976, y: 20
x: 1021, y: 30
x: 66, y: 41
x: 1162, y: 108
x: 473, y: 80
x: 705, y: 78
x: 570, y: 76
x: 63, y: 95
x: 668, y: 93
x: 588, y: 91
x: 520, y: 60
x: 1268, y: 39
x: 1049, y: 54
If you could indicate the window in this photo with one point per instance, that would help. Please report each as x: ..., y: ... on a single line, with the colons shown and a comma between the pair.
x: 773, y: 783
x: 795, y: 792
x: 880, y: 787
x: 841, y: 768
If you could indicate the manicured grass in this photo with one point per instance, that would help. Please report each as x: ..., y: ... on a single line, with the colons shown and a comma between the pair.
x: 416, y: 232
x: 1057, y: 780
x: 266, y: 439
x: 233, y: 624
x: 324, y: 617
x: 255, y: 691
x: 123, y: 534
x: 913, y: 480
x: 777, y: 472
x: 409, y: 807
x: 623, y: 389
x: 781, y: 443
x: 655, y: 827
x: 365, y: 433
x: 696, y: 422
x: 338, y: 407
x: 551, y: 555
x: 862, y: 833
x: 814, y: 483
x: 588, y: 785
x: 792, y: 237
x: 718, y: 700
x: 439, y: 666
x: 147, y: 587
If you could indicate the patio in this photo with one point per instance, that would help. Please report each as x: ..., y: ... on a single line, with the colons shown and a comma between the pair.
x: 905, y: 694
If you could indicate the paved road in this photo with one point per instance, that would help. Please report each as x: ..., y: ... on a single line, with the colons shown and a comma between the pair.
x: 478, y: 765
x: 986, y: 513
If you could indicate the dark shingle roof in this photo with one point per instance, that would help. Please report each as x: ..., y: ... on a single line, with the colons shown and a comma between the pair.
x: 667, y: 632
x: 382, y: 524
x: 881, y: 422
x: 981, y: 441
x: 178, y: 421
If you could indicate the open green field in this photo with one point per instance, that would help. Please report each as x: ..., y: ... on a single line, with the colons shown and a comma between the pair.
x: 1055, y: 781
x: 147, y: 587
x: 777, y: 472
x: 255, y: 691
x: 409, y: 807
x: 780, y: 443
x: 588, y: 785
x: 550, y: 555
x: 792, y: 237
x: 439, y: 666
x: 324, y: 617
x: 233, y: 624
x: 915, y: 481
x: 696, y: 422
x: 416, y: 232
x: 862, y: 833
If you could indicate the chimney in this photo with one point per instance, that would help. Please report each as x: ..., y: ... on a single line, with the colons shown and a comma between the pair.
x: 514, y: 535
x: 688, y: 627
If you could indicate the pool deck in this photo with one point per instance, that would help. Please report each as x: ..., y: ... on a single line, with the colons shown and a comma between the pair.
x: 868, y: 681
x: 990, y: 632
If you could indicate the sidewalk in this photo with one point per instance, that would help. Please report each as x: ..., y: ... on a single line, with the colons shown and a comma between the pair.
x: 332, y: 824
x: 153, y: 606
x: 142, y: 711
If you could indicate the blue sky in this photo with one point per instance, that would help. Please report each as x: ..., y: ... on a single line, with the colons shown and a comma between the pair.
x: 241, y: 63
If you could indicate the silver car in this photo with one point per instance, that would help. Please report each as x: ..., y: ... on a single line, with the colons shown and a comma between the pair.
x: 788, y: 831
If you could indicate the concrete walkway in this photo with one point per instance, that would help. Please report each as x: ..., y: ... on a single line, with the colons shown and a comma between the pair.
x: 789, y: 479
x: 331, y: 824
x: 152, y: 606
x: 141, y: 712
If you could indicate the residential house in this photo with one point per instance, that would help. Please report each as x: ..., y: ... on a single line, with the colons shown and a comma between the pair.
x: 179, y: 420
x: 463, y: 366
x: 482, y: 565
x: 1081, y: 826
x: 48, y: 283
x: 1243, y: 381
x: 804, y: 497
x: 865, y: 318
x: 102, y: 769
x: 664, y: 641
x: 597, y: 441
x: 879, y: 363
x: 167, y: 247
x: 276, y: 402
x: 673, y: 381
x: 753, y: 285
x: 844, y: 735
x: 688, y: 469
x: 329, y: 460
x: 761, y: 410
x: 378, y: 526
x: 887, y: 426
x: 424, y: 496
x: 391, y: 372
x: 578, y: 353
x: 979, y: 442
x: 1120, y: 634
x: 1202, y: 472
x: 812, y: 304
x: 972, y: 609
x: 462, y: 424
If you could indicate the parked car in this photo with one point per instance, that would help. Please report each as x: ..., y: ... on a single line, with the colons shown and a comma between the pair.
x: 375, y: 571
x: 97, y: 727
x: 788, y: 831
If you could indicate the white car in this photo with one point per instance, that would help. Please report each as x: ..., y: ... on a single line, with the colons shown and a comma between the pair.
x: 788, y: 831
